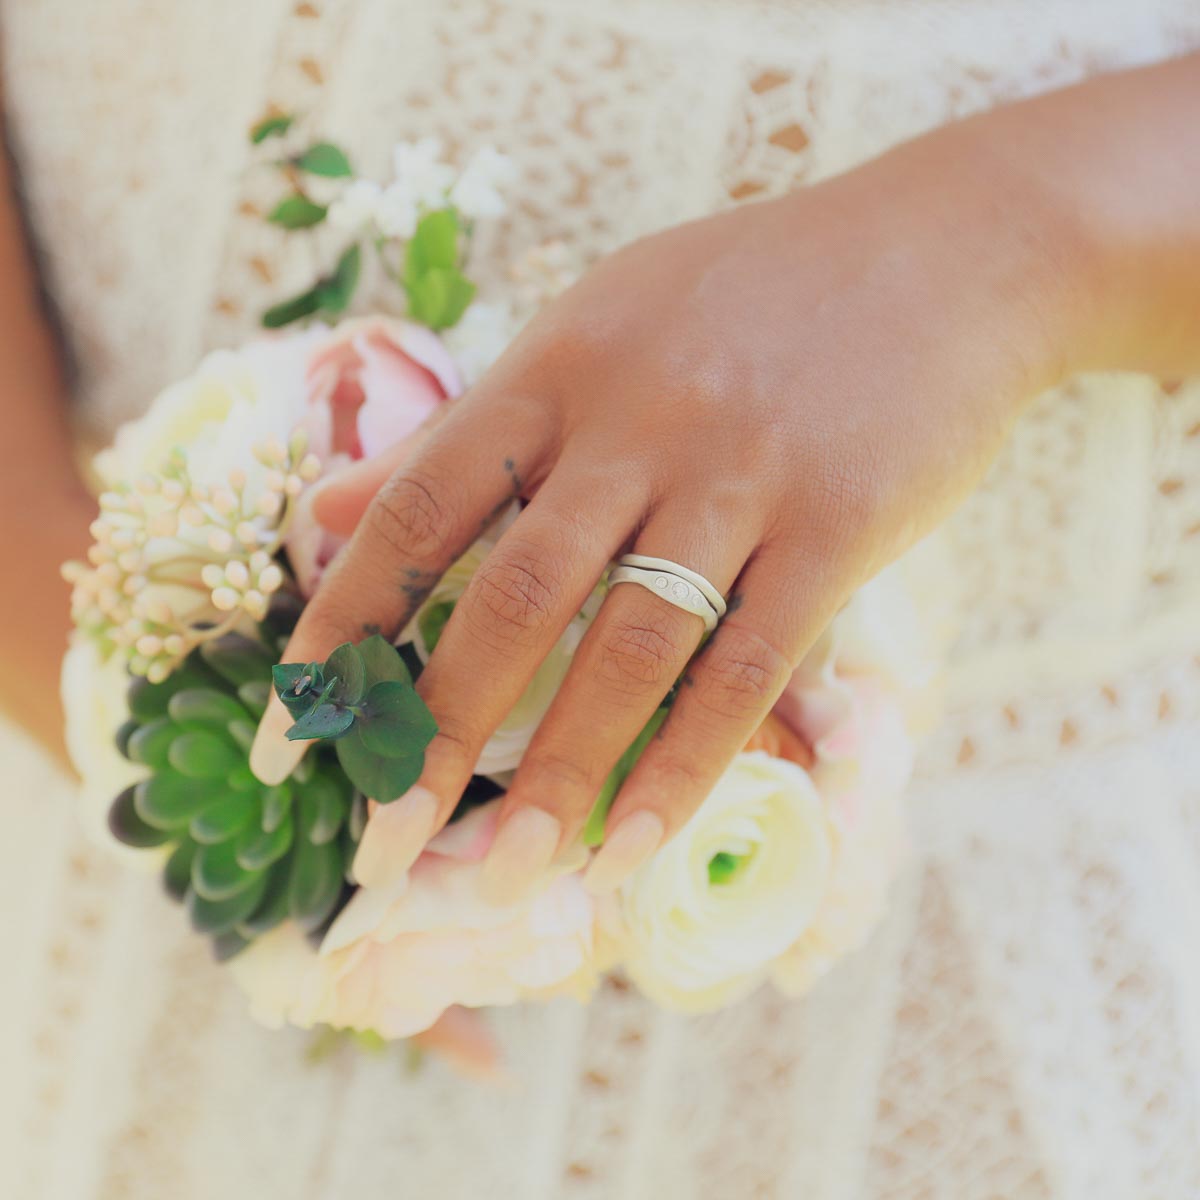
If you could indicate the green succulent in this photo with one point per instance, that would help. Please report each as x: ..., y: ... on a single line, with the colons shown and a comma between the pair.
x: 242, y: 856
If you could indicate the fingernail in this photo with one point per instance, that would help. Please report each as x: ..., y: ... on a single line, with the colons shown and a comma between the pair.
x: 633, y: 841
x: 523, y: 848
x: 395, y: 835
x: 272, y: 757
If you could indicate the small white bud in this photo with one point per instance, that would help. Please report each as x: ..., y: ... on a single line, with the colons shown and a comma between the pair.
x: 200, y: 492
x: 100, y: 529
x: 173, y: 490
x: 224, y: 501
x: 122, y: 539
x: 294, y: 485
x: 147, y: 485
x: 98, y: 555
x: 273, y: 451
x: 247, y: 534
x: 138, y: 665
x: 258, y: 560
x: 134, y: 584
x: 174, y: 645
x: 269, y: 504
x: 111, y: 500
x: 108, y: 574
x: 212, y: 576
x: 191, y: 514
x: 163, y: 524
x: 156, y: 672
x: 237, y: 479
x: 220, y: 541
x: 130, y: 561
x: 270, y: 579
x: 237, y: 573
x: 310, y: 468
x: 225, y: 599
x: 255, y: 603
x: 297, y: 444
x: 275, y: 480
x: 159, y: 611
x: 149, y: 644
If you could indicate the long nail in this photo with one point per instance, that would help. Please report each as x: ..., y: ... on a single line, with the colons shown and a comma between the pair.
x: 272, y: 757
x: 523, y: 849
x: 395, y: 835
x: 633, y: 841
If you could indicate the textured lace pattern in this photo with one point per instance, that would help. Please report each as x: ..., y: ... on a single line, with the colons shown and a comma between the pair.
x: 1027, y: 1022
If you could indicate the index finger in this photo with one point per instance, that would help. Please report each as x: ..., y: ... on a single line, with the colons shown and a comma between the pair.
x: 424, y: 517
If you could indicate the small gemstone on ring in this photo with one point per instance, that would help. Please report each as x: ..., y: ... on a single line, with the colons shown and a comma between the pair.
x: 680, y: 589
x: 661, y: 582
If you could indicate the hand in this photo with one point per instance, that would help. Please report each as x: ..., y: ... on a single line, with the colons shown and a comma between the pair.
x: 781, y: 398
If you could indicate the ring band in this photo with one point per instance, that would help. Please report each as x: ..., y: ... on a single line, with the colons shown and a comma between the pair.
x: 649, y: 563
x: 671, y: 583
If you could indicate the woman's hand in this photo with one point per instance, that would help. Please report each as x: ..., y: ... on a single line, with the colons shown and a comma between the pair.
x: 782, y: 398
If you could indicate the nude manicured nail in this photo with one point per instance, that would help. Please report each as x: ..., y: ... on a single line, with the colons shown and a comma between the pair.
x: 524, y: 847
x: 272, y: 757
x: 633, y: 841
x: 395, y: 835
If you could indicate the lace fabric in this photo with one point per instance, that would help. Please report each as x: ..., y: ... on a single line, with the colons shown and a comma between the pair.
x: 1027, y: 1021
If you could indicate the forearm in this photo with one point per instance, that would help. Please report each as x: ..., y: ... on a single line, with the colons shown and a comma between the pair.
x: 44, y: 507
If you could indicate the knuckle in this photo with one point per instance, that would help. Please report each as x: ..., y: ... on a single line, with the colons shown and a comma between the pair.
x: 410, y: 517
x: 513, y: 595
x: 640, y: 652
x: 549, y: 774
x: 743, y: 673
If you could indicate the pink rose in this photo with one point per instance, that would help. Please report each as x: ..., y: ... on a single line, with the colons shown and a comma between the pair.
x: 371, y: 385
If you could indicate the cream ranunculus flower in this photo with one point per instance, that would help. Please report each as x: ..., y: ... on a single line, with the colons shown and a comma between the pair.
x: 508, y: 744
x: 94, y: 691
x: 233, y: 401
x: 702, y: 920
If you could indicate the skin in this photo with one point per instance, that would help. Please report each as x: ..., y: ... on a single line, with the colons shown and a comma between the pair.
x: 783, y: 398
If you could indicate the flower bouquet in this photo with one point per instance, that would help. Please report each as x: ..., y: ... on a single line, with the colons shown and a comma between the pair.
x: 205, y: 551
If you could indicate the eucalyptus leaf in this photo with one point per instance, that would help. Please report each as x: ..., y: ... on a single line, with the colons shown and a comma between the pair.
x: 382, y: 662
x: 272, y: 126
x: 324, y: 721
x: 394, y: 721
x: 297, y: 212
x: 379, y: 776
x: 324, y: 158
x: 346, y: 665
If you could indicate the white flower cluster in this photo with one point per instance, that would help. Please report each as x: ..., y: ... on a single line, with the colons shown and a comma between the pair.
x: 176, y: 562
x: 423, y: 183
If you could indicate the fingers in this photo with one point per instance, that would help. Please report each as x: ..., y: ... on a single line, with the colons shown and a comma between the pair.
x: 422, y: 519
x: 775, y: 614
x: 629, y: 659
x: 518, y: 604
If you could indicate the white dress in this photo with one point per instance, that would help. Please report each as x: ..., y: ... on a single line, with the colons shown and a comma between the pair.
x: 1026, y: 1024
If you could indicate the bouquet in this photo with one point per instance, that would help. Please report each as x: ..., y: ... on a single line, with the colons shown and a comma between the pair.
x: 205, y: 551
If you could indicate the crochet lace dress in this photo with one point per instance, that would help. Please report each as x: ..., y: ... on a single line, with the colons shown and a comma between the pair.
x: 1026, y: 1023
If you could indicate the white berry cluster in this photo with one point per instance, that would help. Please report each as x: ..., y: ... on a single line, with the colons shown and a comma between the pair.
x: 176, y: 562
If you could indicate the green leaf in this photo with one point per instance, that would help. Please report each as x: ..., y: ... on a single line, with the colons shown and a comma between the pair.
x: 151, y: 744
x: 205, y: 709
x: 123, y: 734
x: 216, y: 874
x: 323, y: 808
x: 242, y: 779
x: 434, y: 245
x: 177, y: 874
x: 346, y: 665
x: 224, y: 818
x: 129, y: 828
x: 315, y: 883
x: 324, y: 158
x: 432, y: 621
x: 325, y: 721
x: 255, y: 696
x: 295, y: 309
x: 297, y: 212
x: 276, y: 804
x: 382, y: 662
x: 169, y: 801
x: 243, y: 733
x: 272, y: 910
x: 379, y: 776
x: 394, y: 721
x: 593, y: 833
x: 269, y: 127
x: 238, y: 659
x: 334, y: 294
x: 202, y: 754
x: 220, y: 916
x: 723, y: 866
x: 440, y: 297
x: 228, y: 945
x: 258, y: 848
x: 149, y: 700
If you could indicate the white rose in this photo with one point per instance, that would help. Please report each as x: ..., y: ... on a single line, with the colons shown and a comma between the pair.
x: 702, y: 920
x: 234, y: 400
x: 508, y: 744
x: 94, y: 695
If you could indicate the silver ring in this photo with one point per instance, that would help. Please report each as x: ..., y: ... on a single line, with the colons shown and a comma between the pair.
x: 672, y: 587
x: 649, y: 563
